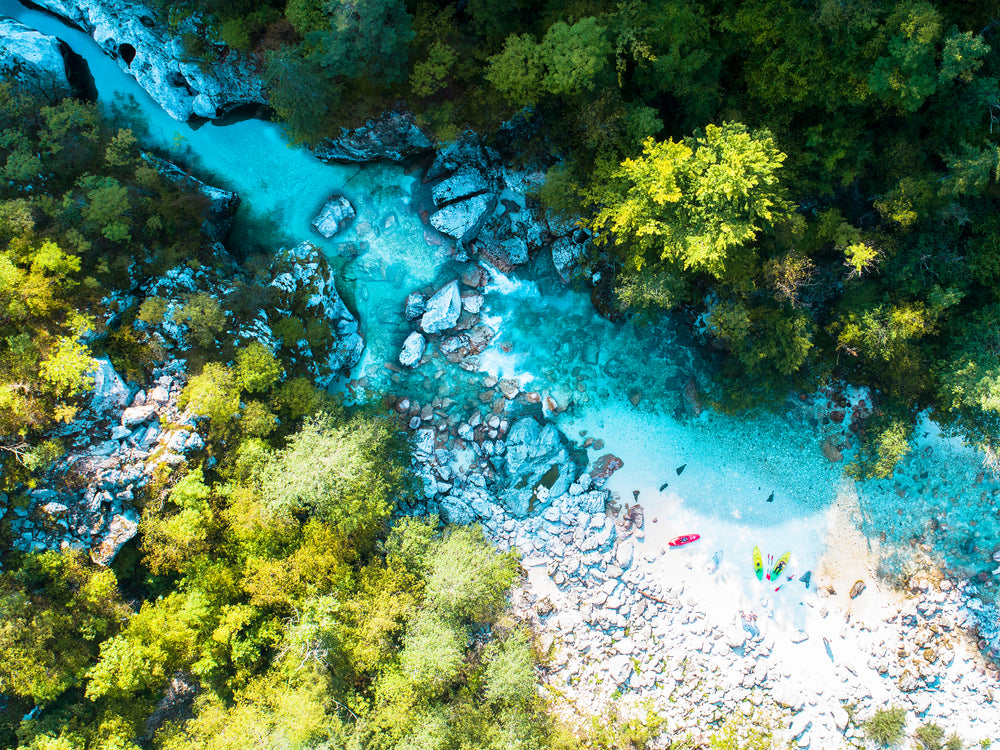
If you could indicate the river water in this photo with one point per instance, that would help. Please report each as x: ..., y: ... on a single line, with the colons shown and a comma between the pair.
x: 550, y: 339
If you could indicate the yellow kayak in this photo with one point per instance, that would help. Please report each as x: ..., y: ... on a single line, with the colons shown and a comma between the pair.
x: 758, y: 564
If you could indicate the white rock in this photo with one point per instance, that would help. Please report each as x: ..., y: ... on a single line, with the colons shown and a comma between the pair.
x: 33, y: 58
x: 136, y: 415
x: 334, y: 216
x: 443, y: 309
x: 624, y: 553
x: 110, y: 392
x: 462, y: 220
x: 148, y: 51
x: 413, y: 349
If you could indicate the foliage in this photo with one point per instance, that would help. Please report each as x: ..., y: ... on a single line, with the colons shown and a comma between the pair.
x: 930, y: 736
x: 886, y: 726
x: 346, y: 474
x: 55, y: 611
x: 692, y: 206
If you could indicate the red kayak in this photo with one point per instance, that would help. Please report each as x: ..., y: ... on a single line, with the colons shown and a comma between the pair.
x: 682, y: 540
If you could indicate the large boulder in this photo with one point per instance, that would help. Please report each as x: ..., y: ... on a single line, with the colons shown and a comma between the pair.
x: 537, y: 457
x: 443, y: 309
x: 392, y: 137
x: 110, y: 394
x: 154, y: 55
x: 37, y: 61
x: 465, y: 183
x: 462, y: 220
x: 122, y: 529
x: 413, y: 349
x: 334, y: 216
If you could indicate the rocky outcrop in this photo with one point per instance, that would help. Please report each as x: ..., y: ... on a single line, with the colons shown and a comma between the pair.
x: 222, y: 204
x: 304, y: 283
x: 462, y: 220
x: 394, y: 136
x: 336, y: 214
x: 36, y: 61
x: 186, y: 87
x: 487, y: 207
x: 117, y: 445
x: 462, y: 188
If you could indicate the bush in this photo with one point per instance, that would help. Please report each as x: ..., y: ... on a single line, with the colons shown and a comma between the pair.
x: 930, y: 736
x: 886, y: 726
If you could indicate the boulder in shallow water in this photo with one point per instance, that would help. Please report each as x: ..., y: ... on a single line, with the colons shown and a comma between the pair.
x: 35, y: 60
x: 462, y: 220
x: 857, y: 589
x: 605, y: 466
x: 413, y: 349
x: 334, y: 216
x: 537, y: 456
x: 443, y: 309
x: 415, y: 306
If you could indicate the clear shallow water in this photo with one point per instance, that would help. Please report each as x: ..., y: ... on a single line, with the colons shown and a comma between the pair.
x: 619, y: 383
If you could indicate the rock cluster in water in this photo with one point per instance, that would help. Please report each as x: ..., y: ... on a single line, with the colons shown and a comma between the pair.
x: 483, y: 204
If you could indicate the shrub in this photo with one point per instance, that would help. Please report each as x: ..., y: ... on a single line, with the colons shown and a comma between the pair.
x: 886, y: 726
x: 930, y: 736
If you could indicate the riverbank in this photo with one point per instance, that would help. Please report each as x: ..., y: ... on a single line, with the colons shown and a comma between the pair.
x: 699, y: 642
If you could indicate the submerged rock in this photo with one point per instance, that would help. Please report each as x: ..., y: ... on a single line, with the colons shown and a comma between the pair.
x: 413, y: 349
x: 857, y: 589
x: 537, y: 458
x: 36, y: 61
x: 155, y: 56
x: 442, y: 309
x: 334, y: 216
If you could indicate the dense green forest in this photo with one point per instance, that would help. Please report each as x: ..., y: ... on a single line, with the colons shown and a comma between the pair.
x: 820, y: 176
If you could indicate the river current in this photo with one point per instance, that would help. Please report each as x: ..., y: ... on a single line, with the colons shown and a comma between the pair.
x: 621, y: 383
